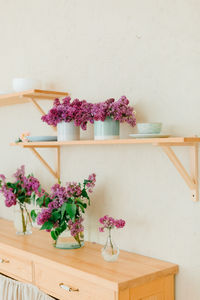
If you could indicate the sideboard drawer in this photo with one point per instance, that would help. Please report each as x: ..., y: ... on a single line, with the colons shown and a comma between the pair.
x: 15, y: 265
x: 66, y: 286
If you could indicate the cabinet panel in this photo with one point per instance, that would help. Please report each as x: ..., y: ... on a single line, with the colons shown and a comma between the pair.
x: 160, y: 289
x: 15, y: 265
x: 58, y: 283
x: 154, y: 297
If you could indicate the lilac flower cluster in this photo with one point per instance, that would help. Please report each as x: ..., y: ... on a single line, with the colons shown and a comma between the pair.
x: 76, y: 227
x: 43, y: 216
x: 118, y: 110
x: 20, y: 173
x: 64, y: 194
x: 110, y: 223
x: 30, y: 184
x: 91, y: 182
x: 67, y: 111
x: 73, y: 189
x: 21, y: 189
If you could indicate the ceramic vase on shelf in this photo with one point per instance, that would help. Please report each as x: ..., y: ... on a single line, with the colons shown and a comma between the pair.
x: 106, y: 130
x: 110, y: 251
x: 67, y: 131
x: 67, y: 241
x: 22, y: 220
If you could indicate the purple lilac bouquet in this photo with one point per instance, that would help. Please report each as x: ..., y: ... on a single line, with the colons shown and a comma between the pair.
x: 63, y: 208
x: 118, y: 110
x: 110, y: 223
x: 67, y: 111
x: 20, y: 192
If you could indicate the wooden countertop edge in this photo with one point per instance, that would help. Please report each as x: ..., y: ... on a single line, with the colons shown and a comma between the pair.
x: 115, y: 286
x: 147, y: 278
x: 63, y: 268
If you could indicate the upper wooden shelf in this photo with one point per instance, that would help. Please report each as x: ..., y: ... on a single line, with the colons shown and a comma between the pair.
x: 25, y: 96
x: 155, y: 141
x: 165, y: 143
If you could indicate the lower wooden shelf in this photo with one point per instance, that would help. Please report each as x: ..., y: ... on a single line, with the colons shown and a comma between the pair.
x: 165, y: 143
x: 34, y: 259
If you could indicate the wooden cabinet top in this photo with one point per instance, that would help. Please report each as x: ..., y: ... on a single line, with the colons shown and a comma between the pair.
x: 128, y: 271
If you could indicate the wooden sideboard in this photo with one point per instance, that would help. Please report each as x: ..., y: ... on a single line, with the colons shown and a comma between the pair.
x: 82, y: 274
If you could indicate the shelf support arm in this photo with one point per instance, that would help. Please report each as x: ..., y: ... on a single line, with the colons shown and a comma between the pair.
x: 194, y: 169
x: 43, y: 161
x: 39, y: 108
x: 191, y: 181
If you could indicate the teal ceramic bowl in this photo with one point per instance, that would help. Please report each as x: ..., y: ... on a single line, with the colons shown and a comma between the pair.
x: 149, y: 128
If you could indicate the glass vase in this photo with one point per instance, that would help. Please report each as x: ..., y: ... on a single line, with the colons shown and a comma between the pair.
x: 67, y: 241
x: 110, y: 251
x: 22, y: 220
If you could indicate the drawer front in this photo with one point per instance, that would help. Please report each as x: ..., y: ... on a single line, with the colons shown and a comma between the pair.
x: 15, y: 265
x: 66, y: 286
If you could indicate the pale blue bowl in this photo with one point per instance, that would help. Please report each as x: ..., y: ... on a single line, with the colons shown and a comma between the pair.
x: 149, y: 128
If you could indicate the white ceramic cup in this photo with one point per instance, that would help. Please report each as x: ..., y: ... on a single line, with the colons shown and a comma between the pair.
x: 23, y: 84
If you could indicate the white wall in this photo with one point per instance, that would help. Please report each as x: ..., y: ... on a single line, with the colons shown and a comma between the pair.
x: 149, y: 51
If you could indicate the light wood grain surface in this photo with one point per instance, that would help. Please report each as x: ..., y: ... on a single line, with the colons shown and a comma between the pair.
x: 130, y: 270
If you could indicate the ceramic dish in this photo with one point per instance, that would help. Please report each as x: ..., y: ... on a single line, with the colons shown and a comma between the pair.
x: 42, y: 138
x: 146, y: 136
x: 149, y: 128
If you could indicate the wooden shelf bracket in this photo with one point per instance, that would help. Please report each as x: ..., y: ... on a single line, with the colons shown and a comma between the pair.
x: 56, y: 173
x: 39, y: 108
x: 192, y: 179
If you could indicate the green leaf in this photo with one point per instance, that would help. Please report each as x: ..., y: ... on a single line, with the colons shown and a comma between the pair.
x: 40, y: 189
x: 53, y: 235
x: 85, y: 194
x: 71, y: 210
x: 47, y: 225
x: 63, y: 209
x: 33, y: 196
x: 33, y: 215
x: 82, y: 206
x: 55, y: 216
x: 40, y: 200
x: 47, y: 201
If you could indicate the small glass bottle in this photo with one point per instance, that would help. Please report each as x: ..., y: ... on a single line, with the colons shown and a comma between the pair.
x: 110, y: 251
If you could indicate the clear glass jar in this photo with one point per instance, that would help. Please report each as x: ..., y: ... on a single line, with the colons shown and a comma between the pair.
x: 22, y: 220
x: 67, y: 241
x: 110, y: 251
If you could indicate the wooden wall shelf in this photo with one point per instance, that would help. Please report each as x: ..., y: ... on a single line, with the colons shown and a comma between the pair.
x: 171, y: 141
x: 31, y: 96
x: 26, y: 96
x: 165, y: 143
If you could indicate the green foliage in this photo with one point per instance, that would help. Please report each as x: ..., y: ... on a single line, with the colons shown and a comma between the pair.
x: 85, y: 194
x: 40, y: 189
x: 81, y: 204
x: 71, y: 210
x: 47, y: 225
x: 63, y: 210
x: 55, y: 216
x: 33, y: 215
x: 55, y: 233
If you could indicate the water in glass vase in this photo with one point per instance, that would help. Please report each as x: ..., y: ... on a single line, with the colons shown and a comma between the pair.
x: 22, y: 220
x: 67, y: 241
x: 110, y: 251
